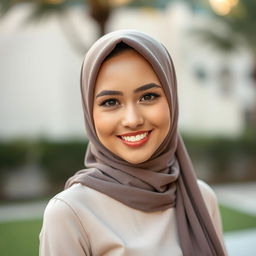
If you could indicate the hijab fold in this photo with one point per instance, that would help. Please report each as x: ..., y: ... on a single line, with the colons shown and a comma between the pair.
x: 165, y: 180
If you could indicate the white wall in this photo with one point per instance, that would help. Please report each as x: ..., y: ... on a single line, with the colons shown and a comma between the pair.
x: 39, y: 80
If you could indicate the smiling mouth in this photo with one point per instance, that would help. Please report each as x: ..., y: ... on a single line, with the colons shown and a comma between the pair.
x: 135, y: 139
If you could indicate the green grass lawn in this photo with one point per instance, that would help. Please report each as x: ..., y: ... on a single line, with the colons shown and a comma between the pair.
x: 20, y: 238
x: 234, y: 220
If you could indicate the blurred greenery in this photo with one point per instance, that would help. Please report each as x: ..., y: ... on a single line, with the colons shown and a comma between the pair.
x: 21, y: 238
x: 12, y: 154
x: 61, y: 159
x: 235, y: 220
x: 222, y: 146
x: 242, y: 22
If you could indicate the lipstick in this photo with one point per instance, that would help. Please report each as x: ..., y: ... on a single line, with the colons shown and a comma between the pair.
x: 135, y: 139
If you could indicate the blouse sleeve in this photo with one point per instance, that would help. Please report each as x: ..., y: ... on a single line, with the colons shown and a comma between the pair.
x: 62, y: 233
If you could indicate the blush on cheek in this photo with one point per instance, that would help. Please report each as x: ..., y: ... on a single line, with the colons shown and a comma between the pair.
x: 161, y: 117
x: 105, y: 125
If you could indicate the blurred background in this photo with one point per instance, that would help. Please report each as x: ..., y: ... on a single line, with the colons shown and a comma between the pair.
x: 42, y: 137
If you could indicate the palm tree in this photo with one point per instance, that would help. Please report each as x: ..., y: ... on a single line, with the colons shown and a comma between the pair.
x: 100, y: 11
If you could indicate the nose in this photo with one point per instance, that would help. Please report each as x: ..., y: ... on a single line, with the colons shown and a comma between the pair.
x: 133, y: 117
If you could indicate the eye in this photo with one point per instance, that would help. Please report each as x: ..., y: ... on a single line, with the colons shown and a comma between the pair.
x: 109, y: 103
x: 149, y: 97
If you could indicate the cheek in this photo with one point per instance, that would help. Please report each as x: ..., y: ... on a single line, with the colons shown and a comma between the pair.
x: 160, y: 117
x: 104, y: 123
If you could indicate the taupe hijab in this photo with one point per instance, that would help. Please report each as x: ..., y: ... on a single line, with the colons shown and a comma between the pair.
x: 167, y: 179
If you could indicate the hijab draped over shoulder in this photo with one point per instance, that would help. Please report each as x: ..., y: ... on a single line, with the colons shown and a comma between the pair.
x: 165, y: 180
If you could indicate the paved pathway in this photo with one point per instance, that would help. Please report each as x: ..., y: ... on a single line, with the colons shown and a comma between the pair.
x: 240, y: 196
x: 22, y: 211
x: 241, y: 243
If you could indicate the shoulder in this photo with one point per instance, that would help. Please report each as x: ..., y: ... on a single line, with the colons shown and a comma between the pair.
x: 59, y: 209
x: 209, y: 197
x: 62, y: 214
x: 66, y: 206
x: 62, y: 222
x: 78, y: 201
x: 205, y: 189
x: 65, y: 201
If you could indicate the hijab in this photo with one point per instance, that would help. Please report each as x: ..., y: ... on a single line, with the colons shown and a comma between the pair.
x: 165, y: 180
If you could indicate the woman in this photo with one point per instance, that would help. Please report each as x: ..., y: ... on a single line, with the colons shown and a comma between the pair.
x: 138, y: 194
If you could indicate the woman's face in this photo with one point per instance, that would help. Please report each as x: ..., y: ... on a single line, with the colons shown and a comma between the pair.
x: 131, y: 113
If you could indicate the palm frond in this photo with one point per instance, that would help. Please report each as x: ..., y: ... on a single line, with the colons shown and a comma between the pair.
x: 44, y: 10
x: 6, y: 5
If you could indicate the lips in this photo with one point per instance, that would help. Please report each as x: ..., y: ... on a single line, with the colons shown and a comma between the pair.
x: 135, y: 139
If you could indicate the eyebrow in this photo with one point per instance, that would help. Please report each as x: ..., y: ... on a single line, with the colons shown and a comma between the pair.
x: 146, y: 87
x: 106, y: 92
x: 139, y: 89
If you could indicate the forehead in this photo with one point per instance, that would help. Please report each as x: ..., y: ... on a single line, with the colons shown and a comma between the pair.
x: 128, y: 68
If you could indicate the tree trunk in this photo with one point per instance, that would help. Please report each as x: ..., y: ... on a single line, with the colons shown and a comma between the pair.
x: 102, y: 28
x: 100, y: 11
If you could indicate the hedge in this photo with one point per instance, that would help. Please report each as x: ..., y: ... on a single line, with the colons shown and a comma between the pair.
x: 62, y: 159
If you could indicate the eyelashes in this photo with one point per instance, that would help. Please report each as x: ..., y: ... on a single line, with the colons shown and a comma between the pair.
x: 109, y: 103
x: 148, y: 97
x: 113, y: 102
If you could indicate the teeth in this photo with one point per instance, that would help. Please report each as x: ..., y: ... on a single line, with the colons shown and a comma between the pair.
x: 135, y: 138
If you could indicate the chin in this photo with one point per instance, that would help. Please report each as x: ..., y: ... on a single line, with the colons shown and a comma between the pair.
x: 134, y: 160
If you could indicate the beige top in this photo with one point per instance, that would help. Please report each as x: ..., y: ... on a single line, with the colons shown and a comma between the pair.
x: 82, y: 221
